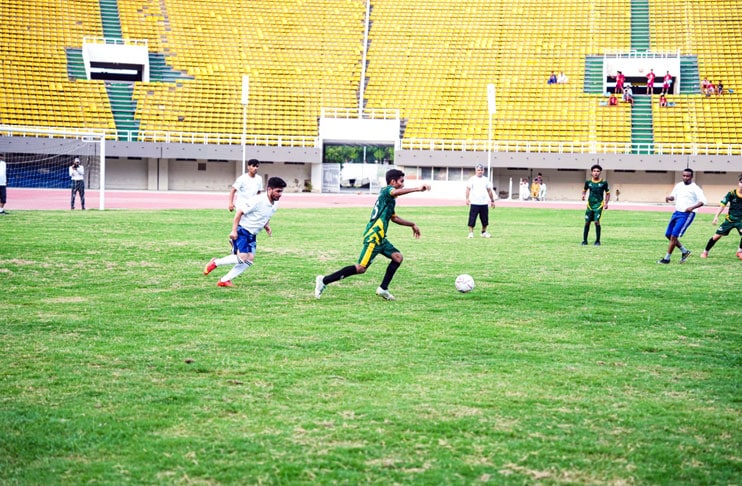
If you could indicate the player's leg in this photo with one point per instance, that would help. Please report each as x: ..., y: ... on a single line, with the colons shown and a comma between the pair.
x: 72, y: 197
x: 484, y: 217
x: 598, y: 217
x: 586, y: 229
x: 395, y: 260
x: 81, y: 190
x: 368, y: 253
x: 472, y: 220
x: 671, y: 235
x: 685, y: 252
x: 710, y: 244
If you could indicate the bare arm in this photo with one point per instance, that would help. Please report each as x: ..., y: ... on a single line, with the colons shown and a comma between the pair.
x: 492, y: 197
x: 718, y: 213
x: 407, y: 190
x: 468, y: 191
x: 403, y: 222
x: 231, y: 199
x: 235, y: 224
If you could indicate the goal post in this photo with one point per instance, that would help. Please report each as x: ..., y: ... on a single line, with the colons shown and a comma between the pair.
x: 39, y: 157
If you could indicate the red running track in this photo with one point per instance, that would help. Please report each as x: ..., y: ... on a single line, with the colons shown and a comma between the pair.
x: 59, y: 199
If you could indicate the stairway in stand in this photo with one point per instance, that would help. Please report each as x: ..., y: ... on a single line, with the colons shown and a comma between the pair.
x: 642, y: 132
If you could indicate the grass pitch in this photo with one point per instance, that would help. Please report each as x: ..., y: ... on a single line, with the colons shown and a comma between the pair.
x: 566, y: 365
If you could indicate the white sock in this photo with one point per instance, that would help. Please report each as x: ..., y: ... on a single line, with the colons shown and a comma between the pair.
x: 236, y: 271
x: 227, y: 260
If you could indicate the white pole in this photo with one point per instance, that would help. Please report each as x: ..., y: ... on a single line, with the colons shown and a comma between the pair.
x: 102, y: 191
x: 491, y: 103
x: 510, y: 190
x: 245, y: 96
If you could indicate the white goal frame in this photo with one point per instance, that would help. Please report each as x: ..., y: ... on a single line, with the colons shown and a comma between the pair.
x: 51, y: 132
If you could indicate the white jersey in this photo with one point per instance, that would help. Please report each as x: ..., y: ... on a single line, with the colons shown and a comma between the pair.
x: 256, y: 212
x: 247, y: 187
x: 478, y: 187
x: 77, y: 174
x: 3, y: 174
x: 687, y: 195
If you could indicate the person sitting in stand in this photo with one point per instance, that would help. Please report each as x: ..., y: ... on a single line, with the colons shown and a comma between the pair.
x: 562, y: 78
x: 552, y: 79
x: 613, y: 101
x: 663, y: 101
x: 628, y: 94
x: 719, y: 88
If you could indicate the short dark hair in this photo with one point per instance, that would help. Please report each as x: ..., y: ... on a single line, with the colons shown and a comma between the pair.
x: 276, y: 183
x: 740, y: 176
x: 393, y: 175
x: 254, y: 162
x: 688, y: 169
x: 596, y: 166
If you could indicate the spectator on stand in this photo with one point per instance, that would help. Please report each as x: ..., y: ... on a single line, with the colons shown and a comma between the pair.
x: 663, y: 101
x: 666, y: 82
x: 620, y: 78
x: 562, y: 78
x: 650, y: 82
x: 552, y: 78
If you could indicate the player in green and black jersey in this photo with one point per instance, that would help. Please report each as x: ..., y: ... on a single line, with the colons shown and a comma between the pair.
x: 597, y: 201
x: 374, y: 237
x: 733, y: 219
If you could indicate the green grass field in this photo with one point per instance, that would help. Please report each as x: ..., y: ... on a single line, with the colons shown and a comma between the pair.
x: 123, y: 363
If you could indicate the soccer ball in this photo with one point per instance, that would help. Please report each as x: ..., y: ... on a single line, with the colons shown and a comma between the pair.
x: 464, y: 283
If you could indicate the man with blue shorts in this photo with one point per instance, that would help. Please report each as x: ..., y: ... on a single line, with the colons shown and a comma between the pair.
x: 688, y: 197
x: 252, y: 216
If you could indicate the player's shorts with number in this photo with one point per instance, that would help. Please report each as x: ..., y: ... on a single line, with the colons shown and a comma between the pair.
x: 727, y: 226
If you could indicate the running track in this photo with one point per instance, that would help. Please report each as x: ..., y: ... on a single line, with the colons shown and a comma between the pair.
x: 59, y: 199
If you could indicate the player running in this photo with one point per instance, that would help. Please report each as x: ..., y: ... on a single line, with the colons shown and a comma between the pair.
x: 597, y: 201
x: 374, y: 237
x: 250, y: 218
x: 733, y: 219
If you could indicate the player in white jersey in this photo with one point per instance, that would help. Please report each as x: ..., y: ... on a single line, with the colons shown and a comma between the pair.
x: 251, y: 217
x: 688, y: 197
x: 246, y: 185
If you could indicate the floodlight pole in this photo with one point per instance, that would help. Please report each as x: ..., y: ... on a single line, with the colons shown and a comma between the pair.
x: 102, y: 176
x: 245, y: 94
x: 492, y: 110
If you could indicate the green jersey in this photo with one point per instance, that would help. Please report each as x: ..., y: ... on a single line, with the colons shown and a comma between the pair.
x: 380, y: 217
x: 735, y: 205
x: 596, y: 190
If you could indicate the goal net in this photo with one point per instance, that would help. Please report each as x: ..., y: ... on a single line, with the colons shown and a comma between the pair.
x: 40, y: 158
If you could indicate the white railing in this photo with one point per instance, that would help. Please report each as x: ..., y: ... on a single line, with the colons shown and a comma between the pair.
x: 435, y: 145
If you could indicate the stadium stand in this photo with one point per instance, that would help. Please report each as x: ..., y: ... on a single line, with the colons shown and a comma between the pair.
x: 430, y: 59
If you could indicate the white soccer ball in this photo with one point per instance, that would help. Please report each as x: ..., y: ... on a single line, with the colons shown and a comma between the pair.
x: 464, y: 283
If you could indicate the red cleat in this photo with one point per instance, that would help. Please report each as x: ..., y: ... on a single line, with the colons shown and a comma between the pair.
x: 210, y: 266
x: 228, y: 283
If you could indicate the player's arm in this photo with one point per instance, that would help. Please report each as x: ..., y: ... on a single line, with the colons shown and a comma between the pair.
x: 267, y: 227
x: 607, y: 199
x: 407, y: 190
x: 718, y: 214
x: 235, y: 224
x: 584, y: 191
x: 231, y: 198
x: 468, y: 191
x: 403, y: 222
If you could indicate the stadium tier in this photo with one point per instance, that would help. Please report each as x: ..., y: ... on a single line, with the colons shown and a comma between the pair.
x: 430, y: 59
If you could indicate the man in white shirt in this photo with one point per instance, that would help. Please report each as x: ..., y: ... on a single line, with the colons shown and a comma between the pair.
x: 688, y: 197
x: 3, y: 185
x: 77, y: 174
x: 246, y: 185
x: 249, y: 220
x: 478, y: 194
